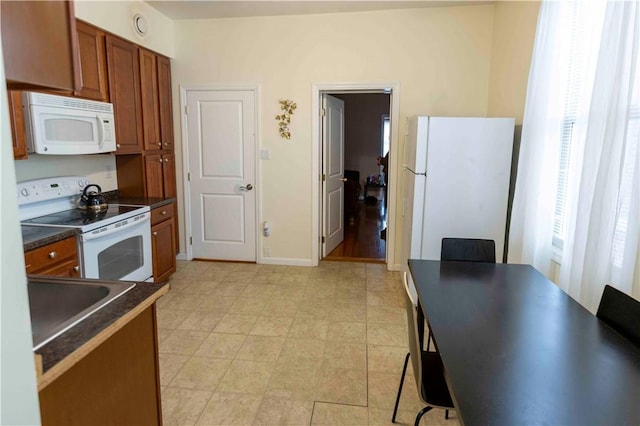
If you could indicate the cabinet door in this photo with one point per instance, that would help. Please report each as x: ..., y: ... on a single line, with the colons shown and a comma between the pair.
x: 153, y: 165
x: 16, y: 115
x: 39, y: 44
x: 116, y: 383
x: 169, y: 175
x: 93, y: 63
x: 164, y: 102
x: 69, y: 268
x: 164, y: 249
x: 124, y: 92
x: 149, y: 90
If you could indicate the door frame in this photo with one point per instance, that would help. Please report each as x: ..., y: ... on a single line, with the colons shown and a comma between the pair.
x: 186, y: 188
x: 317, y: 90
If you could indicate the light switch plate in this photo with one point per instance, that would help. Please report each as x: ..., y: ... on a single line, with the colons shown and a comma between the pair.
x: 265, y: 154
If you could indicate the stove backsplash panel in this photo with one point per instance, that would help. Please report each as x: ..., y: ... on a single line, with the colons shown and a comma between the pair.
x: 100, y: 169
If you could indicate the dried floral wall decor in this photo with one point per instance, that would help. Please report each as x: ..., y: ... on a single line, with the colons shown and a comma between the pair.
x: 284, y: 119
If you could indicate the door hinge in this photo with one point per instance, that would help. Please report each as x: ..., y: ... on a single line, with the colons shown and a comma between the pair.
x: 190, y: 240
x: 324, y: 112
x: 186, y: 109
x: 324, y: 177
x: 189, y: 176
x: 322, y: 240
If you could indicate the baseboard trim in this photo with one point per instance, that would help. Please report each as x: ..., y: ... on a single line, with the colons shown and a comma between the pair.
x: 285, y: 261
x: 396, y: 267
x: 182, y: 256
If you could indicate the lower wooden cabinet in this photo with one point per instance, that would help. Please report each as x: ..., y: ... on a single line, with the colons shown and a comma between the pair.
x: 163, y: 241
x: 117, y: 383
x: 59, y: 259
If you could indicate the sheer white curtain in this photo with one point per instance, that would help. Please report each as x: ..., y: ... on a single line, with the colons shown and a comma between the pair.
x: 584, y: 66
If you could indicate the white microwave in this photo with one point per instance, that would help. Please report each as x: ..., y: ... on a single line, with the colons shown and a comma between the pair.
x: 61, y: 125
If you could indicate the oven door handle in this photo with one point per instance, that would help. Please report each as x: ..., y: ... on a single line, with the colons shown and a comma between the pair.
x: 112, y: 229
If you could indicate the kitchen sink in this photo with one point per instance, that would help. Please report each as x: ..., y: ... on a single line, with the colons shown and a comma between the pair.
x: 58, y: 304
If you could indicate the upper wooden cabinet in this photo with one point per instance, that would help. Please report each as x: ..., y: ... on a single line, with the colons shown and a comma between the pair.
x: 124, y: 92
x: 150, y: 110
x: 93, y: 63
x: 164, y: 102
x: 16, y: 114
x: 39, y: 44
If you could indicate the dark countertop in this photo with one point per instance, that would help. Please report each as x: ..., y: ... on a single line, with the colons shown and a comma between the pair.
x: 82, y: 333
x: 34, y: 237
x: 152, y: 202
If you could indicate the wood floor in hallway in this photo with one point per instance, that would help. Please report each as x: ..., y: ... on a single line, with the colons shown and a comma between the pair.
x: 362, y: 240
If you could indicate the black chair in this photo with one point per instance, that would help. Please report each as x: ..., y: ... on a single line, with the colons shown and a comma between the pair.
x: 427, y: 366
x: 468, y: 250
x: 620, y: 312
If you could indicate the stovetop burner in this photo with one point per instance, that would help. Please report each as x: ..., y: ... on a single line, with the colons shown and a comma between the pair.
x: 80, y: 218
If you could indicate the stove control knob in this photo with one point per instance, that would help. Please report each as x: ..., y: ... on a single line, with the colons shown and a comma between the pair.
x: 86, y: 182
x: 80, y: 183
x: 25, y: 192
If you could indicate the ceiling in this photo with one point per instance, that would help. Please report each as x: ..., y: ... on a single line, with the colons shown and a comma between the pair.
x: 211, y: 9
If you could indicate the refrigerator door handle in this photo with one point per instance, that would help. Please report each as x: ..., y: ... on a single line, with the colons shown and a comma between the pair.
x: 416, y: 173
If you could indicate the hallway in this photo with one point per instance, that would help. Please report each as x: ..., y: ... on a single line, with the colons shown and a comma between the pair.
x: 362, y: 240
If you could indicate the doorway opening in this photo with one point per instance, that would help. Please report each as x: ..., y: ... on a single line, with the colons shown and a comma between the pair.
x: 365, y: 192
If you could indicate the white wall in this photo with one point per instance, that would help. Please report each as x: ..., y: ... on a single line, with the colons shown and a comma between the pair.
x: 117, y: 18
x: 18, y: 392
x: 440, y: 56
x: 100, y: 169
x: 514, y: 31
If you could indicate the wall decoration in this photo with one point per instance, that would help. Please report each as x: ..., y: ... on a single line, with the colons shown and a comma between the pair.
x: 284, y: 119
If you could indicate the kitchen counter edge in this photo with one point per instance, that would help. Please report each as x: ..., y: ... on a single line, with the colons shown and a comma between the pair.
x: 34, y: 237
x: 70, y: 347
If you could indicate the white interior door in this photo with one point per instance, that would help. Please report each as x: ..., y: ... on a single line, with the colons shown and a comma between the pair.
x: 333, y: 171
x: 221, y: 138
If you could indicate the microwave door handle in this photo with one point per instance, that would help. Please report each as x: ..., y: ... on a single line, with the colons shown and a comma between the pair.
x: 100, y: 132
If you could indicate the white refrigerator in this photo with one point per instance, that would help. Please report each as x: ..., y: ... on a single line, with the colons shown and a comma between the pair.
x: 456, y: 173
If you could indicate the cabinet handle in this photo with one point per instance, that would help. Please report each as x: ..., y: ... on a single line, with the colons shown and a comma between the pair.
x: 163, y: 212
x: 76, y: 268
x: 117, y: 145
x: 159, y: 143
x: 154, y: 233
x: 166, y: 160
x: 160, y: 160
x: 166, y: 144
x: 52, y: 255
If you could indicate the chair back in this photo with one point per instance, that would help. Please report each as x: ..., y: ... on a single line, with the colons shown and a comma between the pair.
x: 468, y: 250
x: 620, y: 312
x: 414, y: 319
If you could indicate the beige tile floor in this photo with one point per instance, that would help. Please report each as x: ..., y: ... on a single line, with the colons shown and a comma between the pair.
x: 280, y: 345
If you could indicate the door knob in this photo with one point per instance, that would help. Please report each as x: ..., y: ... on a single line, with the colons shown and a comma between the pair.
x: 344, y: 179
x: 249, y: 187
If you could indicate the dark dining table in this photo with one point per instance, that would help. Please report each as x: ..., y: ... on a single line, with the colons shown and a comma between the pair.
x: 517, y: 350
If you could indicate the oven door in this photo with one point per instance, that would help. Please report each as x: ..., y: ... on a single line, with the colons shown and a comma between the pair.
x: 120, y: 251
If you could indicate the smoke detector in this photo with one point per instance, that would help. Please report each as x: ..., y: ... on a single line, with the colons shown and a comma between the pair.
x: 140, y: 24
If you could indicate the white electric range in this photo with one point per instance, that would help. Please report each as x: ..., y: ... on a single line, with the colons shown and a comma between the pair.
x: 112, y: 245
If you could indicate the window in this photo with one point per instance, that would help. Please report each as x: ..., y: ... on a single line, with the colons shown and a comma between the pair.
x: 576, y: 94
x: 582, y: 45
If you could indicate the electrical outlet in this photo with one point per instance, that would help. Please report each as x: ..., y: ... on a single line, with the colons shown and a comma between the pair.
x: 265, y: 154
x: 109, y: 171
x: 266, y: 251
